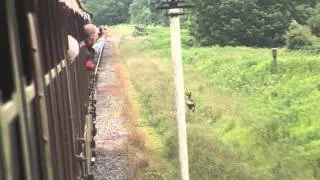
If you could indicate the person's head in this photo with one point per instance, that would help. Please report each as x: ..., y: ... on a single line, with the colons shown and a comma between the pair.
x: 73, y: 49
x: 103, y: 30
x: 100, y: 30
x: 91, y: 33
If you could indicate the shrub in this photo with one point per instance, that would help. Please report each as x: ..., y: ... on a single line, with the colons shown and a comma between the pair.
x: 298, y: 37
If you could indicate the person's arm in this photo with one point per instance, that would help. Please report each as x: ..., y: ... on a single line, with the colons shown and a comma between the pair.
x: 101, y: 41
x: 99, y: 44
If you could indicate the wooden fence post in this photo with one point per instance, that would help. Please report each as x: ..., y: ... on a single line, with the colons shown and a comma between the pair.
x: 274, y: 68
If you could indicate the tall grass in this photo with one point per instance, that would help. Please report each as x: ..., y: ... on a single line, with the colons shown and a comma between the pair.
x: 250, y: 123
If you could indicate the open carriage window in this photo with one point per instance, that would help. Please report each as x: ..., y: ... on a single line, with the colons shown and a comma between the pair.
x: 6, y: 78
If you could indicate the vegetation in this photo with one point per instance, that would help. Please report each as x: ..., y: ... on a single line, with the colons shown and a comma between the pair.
x: 109, y: 12
x: 299, y: 37
x: 247, y: 22
x: 250, y: 123
x: 144, y: 12
x: 314, y: 21
x: 257, y: 23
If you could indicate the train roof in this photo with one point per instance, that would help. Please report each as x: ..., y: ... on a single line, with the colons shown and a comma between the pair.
x: 76, y: 6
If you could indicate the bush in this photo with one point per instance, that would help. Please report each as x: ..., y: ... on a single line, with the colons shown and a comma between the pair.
x: 298, y: 37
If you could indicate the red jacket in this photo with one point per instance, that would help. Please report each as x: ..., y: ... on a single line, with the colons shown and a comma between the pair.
x: 86, y: 55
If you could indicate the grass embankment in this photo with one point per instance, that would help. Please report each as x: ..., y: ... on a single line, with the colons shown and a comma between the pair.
x: 250, y: 123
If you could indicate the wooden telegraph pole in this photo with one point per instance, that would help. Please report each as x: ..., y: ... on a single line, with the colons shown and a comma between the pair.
x: 179, y: 93
x: 174, y: 14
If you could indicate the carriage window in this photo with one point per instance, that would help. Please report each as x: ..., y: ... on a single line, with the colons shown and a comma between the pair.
x: 16, y: 150
x: 24, y: 39
x: 6, y: 81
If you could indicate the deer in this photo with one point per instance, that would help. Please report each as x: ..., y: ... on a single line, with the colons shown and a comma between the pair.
x: 191, y: 104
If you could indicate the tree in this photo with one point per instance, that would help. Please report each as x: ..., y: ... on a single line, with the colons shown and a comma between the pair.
x: 109, y: 11
x: 246, y: 22
x: 144, y: 12
x: 140, y: 12
x: 298, y: 37
x: 314, y: 21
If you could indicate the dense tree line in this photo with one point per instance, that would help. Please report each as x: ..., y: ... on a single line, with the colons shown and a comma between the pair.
x: 145, y: 12
x: 247, y: 22
x: 109, y: 11
x: 258, y: 23
x: 125, y: 11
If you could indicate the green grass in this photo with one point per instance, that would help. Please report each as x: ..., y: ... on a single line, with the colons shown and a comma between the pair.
x: 250, y: 123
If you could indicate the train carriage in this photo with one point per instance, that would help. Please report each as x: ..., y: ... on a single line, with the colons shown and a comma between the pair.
x: 47, y: 109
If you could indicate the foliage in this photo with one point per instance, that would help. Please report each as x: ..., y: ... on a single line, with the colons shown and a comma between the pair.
x: 298, y: 37
x: 144, y: 12
x: 314, y: 21
x: 218, y: 22
x: 109, y: 12
x: 246, y: 22
x: 250, y: 123
x: 140, y: 13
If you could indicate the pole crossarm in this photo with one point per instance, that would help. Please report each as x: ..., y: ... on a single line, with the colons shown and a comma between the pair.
x: 172, y: 4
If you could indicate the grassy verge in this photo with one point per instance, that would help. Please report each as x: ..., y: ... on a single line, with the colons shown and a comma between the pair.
x: 250, y: 123
x: 144, y: 144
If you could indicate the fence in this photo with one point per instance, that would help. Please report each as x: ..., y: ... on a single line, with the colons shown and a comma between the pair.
x: 47, y: 108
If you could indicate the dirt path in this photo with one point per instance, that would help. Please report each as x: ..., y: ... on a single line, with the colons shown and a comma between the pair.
x: 111, y: 162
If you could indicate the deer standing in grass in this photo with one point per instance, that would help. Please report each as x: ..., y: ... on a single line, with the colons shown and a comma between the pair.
x: 191, y: 104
